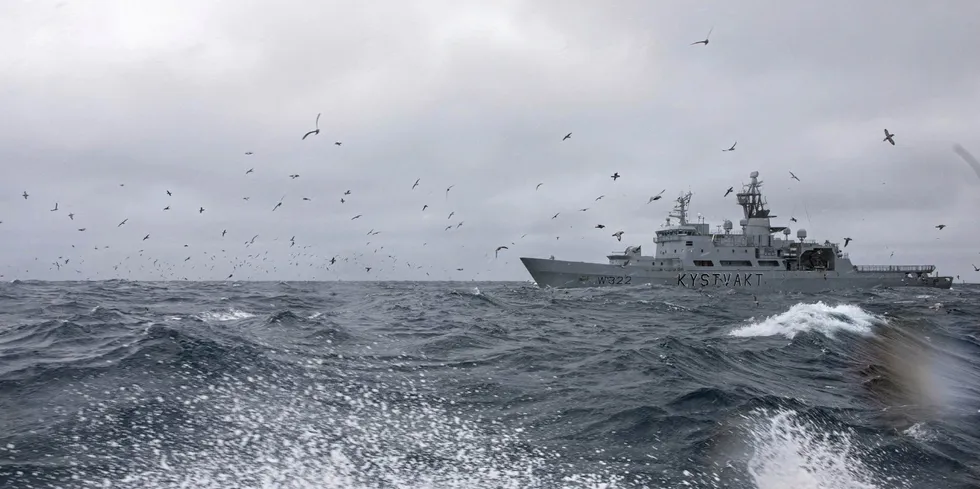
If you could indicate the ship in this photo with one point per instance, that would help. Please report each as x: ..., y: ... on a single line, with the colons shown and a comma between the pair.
x: 762, y: 257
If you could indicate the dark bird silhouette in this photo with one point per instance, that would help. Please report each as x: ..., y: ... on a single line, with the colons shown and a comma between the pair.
x: 940, y: 227
x: 71, y: 216
x: 55, y: 207
x: 278, y: 205
x: 315, y: 131
x: 732, y: 148
x: 975, y: 269
x: 25, y: 195
x: 846, y: 241
x: 416, y: 184
x: 337, y: 143
x: 730, y: 190
x: 968, y: 158
x: 566, y: 136
x: 247, y: 153
x: 792, y: 219
x: 200, y: 211
x: 347, y: 192
x: 424, y: 207
x: 146, y: 237
x: 889, y: 137
x: 498, y: 250
x: 600, y: 226
x: 657, y: 197
x: 556, y: 215
x: 791, y: 175
x: 355, y: 217
x: 705, y: 41
x: 294, y: 176
x: 123, y: 222
x: 614, y: 176
x: 166, y: 208
x: 538, y: 186
x: 618, y: 235
x: 599, y: 197
x: 169, y: 194
x: 250, y: 170
x: 223, y: 233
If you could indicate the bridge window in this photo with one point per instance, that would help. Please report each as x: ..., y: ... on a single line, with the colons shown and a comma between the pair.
x: 768, y: 263
x: 704, y: 263
x: 736, y: 263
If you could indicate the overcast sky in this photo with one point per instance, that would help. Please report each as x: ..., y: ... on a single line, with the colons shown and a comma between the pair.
x: 169, y: 95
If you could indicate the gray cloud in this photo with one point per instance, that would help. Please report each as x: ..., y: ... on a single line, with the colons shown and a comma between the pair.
x: 476, y: 95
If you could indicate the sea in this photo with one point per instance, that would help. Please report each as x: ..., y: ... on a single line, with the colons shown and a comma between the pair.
x: 120, y: 384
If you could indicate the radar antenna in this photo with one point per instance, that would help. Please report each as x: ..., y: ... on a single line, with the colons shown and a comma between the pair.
x: 751, y: 200
x: 680, y: 209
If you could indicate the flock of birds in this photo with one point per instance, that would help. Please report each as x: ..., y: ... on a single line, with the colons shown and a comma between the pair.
x: 252, y: 265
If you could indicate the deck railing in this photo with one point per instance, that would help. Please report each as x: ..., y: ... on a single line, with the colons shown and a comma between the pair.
x: 896, y: 268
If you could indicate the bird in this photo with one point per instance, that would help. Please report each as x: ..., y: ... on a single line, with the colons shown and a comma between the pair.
x: 614, y: 176
x: 71, y: 216
x: 498, y: 250
x: 248, y: 153
x: 968, y: 158
x: 223, y: 233
x: 791, y: 175
x: 889, y: 137
x: 416, y: 184
x: 538, y: 185
x: 307, y: 198
x: 583, y: 209
x: 451, y: 215
x: 81, y: 229
x: 55, y: 207
x: 200, y: 211
x: 975, y: 269
x: 599, y: 197
x: 448, y: 189
x: 337, y: 143
x: 25, y: 195
x: 792, y: 219
x: 250, y: 170
x: 940, y: 227
x: 277, y: 206
x: 566, y: 136
x: 347, y: 192
x: 846, y: 241
x: 169, y: 194
x: 294, y: 176
x: 730, y: 190
x: 618, y: 235
x: 315, y: 131
x: 146, y: 237
x: 556, y: 215
x: 424, y: 207
x: 166, y: 208
x: 732, y: 148
x: 657, y: 197
x: 355, y: 217
x: 705, y: 41
x: 600, y: 226
x: 123, y: 222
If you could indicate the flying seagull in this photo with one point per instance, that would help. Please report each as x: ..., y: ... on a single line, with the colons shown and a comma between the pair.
x: 968, y: 158
x: 55, y: 207
x: 940, y: 227
x: 315, y: 131
x: 732, y: 148
x: 614, y: 176
x: 250, y: 170
x: 730, y: 190
x: 448, y: 189
x: 25, y: 195
x: 416, y: 184
x: 846, y: 241
x: 791, y: 175
x: 705, y: 41
x: 657, y: 197
x: 538, y: 185
x: 889, y: 137
x: 498, y: 250
x: 566, y: 136
x: 618, y: 235
x: 123, y: 222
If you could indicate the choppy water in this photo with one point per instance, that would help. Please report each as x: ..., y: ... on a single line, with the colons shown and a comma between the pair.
x: 452, y: 385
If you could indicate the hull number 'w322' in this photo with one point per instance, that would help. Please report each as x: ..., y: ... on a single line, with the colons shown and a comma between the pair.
x: 719, y: 279
x: 614, y: 280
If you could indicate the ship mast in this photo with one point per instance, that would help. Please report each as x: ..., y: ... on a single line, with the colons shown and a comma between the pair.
x: 680, y: 209
x: 751, y: 200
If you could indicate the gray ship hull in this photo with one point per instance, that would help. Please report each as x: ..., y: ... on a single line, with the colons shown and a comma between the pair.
x: 570, y: 274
